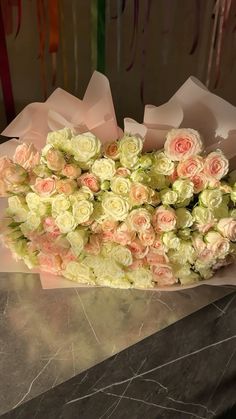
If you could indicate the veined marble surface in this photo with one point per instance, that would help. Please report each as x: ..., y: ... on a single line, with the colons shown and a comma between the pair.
x: 49, y: 336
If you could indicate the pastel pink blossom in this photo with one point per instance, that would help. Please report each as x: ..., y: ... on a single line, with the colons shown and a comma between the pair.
x: 163, y: 274
x: 139, y: 219
x: 45, y: 187
x: 138, y: 250
x: 139, y: 194
x: 190, y: 167
x: 50, y: 226
x: 216, y: 165
x: 109, y: 225
x: 204, y: 228
x: 66, y: 186
x: 155, y: 256
x: 227, y: 227
x: 200, y: 182
x: 206, y: 255
x: 112, y: 150
x: 147, y: 237
x: 123, y: 172
x: 96, y: 227
x: 93, y: 247
x: 68, y: 257
x: 49, y: 263
x: 137, y: 264
x: 123, y: 235
x: 107, y: 236
x: 27, y: 156
x: 89, y: 180
x: 71, y: 171
x: 164, y: 219
x: 182, y: 143
x: 11, y: 173
x: 55, y: 159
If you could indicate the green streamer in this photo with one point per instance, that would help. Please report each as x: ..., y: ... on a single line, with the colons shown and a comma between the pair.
x: 101, y: 35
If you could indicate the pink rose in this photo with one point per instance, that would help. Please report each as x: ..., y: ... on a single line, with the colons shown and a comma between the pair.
x: 71, y: 171
x: 155, y: 256
x: 198, y: 244
x: 182, y: 143
x: 93, y: 247
x: 68, y: 257
x: 95, y: 227
x: 137, y: 264
x: 123, y: 172
x: 123, y: 235
x: 206, y: 255
x: 139, y: 194
x: 66, y: 186
x: 139, y: 219
x: 55, y: 159
x: 109, y: 225
x: 157, y: 244
x: 200, y: 182
x: 227, y: 227
x: 45, y: 187
x: 173, y: 177
x: 220, y: 248
x: 50, y: 263
x: 216, y: 165
x: 11, y: 173
x: 163, y: 275
x: 50, y: 226
x: 164, y: 219
x: 147, y: 237
x: 107, y: 236
x: 190, y: 167
x: 138, y: 250
x: 27, y: 156
x: 89, y: 180
x: 112, y: 150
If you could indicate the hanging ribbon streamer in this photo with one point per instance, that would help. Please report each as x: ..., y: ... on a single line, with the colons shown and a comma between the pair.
x: 7, y: 12
x: 101, y: 35
x: 76, y: 59
x: 93, y: 35
x: 63, y: 45
x: 5, y: 74
x: 41, y: 19
x: 53, y: 8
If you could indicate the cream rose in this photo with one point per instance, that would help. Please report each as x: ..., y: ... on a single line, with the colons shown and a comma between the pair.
x: 77, y: 240
x: 120, y: 185
x: 36, y: 205
x: 170, y: 240
x: 79, y: 272
x: 184, y: 188
x: 85, y: 147
x: 82, y: 211
x: 168, y: 197
x: 162, y: 164
x: 130, y: 146
x: 104, y: 168
x: 122, y: 255
x: 182, y: 143
x: 216, y: 165
x: 227, y: 227
x: 60, y: 204
x: 164, y: 219
x: 115, y: 206
x: 65, y: 222
x: 211, y: 198
x: 184, y: 218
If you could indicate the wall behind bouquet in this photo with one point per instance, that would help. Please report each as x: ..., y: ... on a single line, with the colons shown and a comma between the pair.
x: 149, y: 49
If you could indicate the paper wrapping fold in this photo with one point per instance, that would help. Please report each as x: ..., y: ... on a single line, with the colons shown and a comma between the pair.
x: 192, y: 106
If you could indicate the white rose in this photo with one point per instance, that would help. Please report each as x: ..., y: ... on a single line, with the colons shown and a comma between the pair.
x: 184, y: 218
x: 115, y: 206
x: 77, y: 240
x: 85, y: 147
x: 122, y: 255
x: 211, y: 198
x: 120, y: 185
x: 79, y: 272
x: 82, y: 211
x: 163, y: 165
x: 104, y: 168
x: 65, y: 222
x: 168, y: 197
x: 60, y: 204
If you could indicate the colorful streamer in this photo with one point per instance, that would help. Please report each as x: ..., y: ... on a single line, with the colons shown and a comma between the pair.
x: 5, y: 74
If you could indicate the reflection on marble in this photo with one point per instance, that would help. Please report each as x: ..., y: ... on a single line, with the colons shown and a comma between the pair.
x: 49, y: 336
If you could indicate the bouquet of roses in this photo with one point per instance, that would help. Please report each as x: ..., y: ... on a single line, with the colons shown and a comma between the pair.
x: 113, y: 215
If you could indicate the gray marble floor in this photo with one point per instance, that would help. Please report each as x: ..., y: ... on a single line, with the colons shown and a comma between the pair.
x: 49, y: 336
